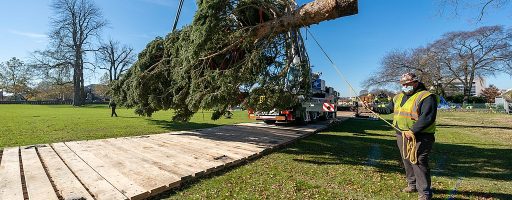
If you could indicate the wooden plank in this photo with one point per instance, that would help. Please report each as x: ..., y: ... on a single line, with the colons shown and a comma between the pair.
x: 141, y: 150
x: 236, y: 134
x: 38, y: 184
x: 232, y: 144
x: 97, y: 185
x: 214, y: 157
x: 308, y: 128
x: 198, y: 162
x: 195, y: 144
x: 198, y: 143
x: 260, y: 142
x: 269, y: 138
x: 196, y: 147
x: 118, y: 180
x: 242, y: 137
x: 144, y: 174
x: 232, y: 137
x: 262, y: 130
x: 10, y: 175
x: 68, y: 186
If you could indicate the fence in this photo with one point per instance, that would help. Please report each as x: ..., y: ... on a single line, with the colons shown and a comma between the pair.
x: 476, y: 107
x: 67, y: 102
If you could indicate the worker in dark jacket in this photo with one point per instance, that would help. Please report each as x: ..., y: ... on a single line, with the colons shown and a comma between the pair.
x: 113, y: 105
x: 415, y: 111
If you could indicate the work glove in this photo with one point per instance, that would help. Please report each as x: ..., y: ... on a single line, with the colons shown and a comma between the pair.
x: 408, y: 134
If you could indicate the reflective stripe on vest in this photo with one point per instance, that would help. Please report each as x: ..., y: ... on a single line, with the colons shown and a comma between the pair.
x: 406, y: 115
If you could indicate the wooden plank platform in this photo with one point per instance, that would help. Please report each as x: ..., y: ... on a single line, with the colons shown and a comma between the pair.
x: 135, y: 167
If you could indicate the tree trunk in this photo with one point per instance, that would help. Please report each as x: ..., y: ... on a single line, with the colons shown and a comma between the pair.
x: 77, y: 79
x: 76, y: 88
x: 467, y: 94
x: 311, y: 13
x: 467, y: 88
x: 82, y: 82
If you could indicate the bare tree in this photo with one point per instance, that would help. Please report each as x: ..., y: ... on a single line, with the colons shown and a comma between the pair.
x: 479, y: 7
x: 73, y: 26
x: 456, y: 57
x: 53, y: 66
x: 423, y: 61
x: 15, y: 76
x: 392, y: 66
x: 483, y: 52
x: 114, y: 58
x: 46, y: 90
x: 55, y: 69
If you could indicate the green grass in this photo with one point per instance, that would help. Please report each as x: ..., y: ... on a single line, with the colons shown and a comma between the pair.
x: 358, y: 159
x: 39, y: 124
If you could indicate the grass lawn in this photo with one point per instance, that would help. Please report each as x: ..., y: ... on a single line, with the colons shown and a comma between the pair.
x: 39, y: 124
x: 358, y: 159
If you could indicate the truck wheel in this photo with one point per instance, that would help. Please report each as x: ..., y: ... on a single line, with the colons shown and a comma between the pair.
x: 324, y: 117
x: 302, y: 119
x: 269, y: 121
x: 314, y: 116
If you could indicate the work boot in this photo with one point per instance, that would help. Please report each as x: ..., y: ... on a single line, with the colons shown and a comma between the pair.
x: 424, y: 197
x: 410, y: 189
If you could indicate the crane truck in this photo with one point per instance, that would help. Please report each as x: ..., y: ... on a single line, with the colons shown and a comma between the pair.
x: 321, y: 105
x: 316, y: 101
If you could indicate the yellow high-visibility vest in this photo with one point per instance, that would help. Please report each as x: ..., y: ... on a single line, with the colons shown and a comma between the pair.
x: 405, y: 116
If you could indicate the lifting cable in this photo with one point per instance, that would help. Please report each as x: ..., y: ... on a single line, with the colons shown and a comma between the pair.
x: 409, y: 150
x: 177, y: 18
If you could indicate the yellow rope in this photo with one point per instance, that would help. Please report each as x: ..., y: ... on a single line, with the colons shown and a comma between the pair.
x: 409, y: 150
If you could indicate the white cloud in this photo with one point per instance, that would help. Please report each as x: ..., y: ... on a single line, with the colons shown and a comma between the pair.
x: 29, y: 34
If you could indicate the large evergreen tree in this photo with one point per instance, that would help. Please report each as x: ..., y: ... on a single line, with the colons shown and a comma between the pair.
x: 235, y: 51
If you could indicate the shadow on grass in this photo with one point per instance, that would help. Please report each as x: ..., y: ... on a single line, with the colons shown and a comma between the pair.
x: 363, y: 142
x: 124, y: 117
x: 351, y: 143
x: 472, y: 126
x: 104, y: 105
x: 180, y: 126
x: 478, y: 195
x: 357, y: 147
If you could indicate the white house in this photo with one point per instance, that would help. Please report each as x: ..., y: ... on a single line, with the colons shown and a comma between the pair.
x: 456, y: 87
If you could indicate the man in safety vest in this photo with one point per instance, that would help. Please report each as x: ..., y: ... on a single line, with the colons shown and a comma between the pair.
x: 415, y: 112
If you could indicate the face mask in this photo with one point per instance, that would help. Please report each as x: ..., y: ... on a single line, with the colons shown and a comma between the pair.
x: 407, y: 89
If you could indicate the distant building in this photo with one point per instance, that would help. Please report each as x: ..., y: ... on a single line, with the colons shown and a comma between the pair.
x: 456, y: 87
x: 95, y: 93
x: 5, y: 96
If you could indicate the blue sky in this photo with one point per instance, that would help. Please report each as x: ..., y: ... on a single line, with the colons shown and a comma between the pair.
x: 356, y: 43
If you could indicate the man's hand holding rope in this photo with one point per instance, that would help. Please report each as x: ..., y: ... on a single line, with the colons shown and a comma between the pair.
x: 408, y: 134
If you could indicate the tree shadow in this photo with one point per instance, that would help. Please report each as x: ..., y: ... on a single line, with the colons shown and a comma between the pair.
x: 372, y: 143
x: 124, y: 117
x: 478, y: 195
x: 352, y: 143
x: 472, y: 126
x: 180, y: 126
x: 361, y: 142
x: 261, y: 136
